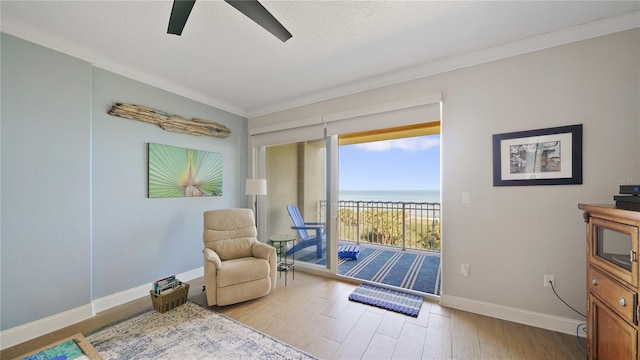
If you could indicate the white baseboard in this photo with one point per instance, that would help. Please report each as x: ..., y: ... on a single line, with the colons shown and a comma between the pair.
x: 32, y: 330
x: 22, y: 333
x: 544, y: 321
x: 123, y: 297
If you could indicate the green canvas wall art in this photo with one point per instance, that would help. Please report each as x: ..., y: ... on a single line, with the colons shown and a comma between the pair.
x: 180, y: 172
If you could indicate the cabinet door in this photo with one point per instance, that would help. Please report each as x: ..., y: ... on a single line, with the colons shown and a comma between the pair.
x: 609, y: 336
x: 614, y: 249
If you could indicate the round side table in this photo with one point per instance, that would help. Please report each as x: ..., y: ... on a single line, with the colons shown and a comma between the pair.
x: 280, y: 243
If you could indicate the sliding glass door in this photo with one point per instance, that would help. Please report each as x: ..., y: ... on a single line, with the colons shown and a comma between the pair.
x: 297, y: 152
x: 296, y: 175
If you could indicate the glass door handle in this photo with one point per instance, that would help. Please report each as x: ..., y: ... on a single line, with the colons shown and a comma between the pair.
x: 632, y: 256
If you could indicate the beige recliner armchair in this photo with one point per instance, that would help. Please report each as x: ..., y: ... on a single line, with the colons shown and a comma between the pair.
x: 237, y: 267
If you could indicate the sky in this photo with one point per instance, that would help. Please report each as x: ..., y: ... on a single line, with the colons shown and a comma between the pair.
x: 399, y: 164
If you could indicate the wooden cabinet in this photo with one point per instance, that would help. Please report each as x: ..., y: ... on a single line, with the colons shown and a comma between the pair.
x: 612, y: 282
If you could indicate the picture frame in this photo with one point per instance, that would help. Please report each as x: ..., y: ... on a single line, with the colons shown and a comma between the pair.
x: 181, y: 172
x: 551, y: 156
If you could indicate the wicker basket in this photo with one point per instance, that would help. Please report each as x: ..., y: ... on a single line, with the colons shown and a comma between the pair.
x: 166, y: 302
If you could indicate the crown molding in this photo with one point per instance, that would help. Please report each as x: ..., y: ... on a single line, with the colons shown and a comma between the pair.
x: 164, y: 84
x: 577, y: 33
x: 38, y: 36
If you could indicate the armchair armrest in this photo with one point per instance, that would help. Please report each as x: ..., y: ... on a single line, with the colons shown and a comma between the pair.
x: 267, y: 252
x: 308, y: 227
x: 317, y: 228
x: 213, y: 257
x: 263, y: 251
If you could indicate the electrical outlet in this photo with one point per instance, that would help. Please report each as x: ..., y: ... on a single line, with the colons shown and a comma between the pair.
x: 548, y: 279
x: 464, y: 270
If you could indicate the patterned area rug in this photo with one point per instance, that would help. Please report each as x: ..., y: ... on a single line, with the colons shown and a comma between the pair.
x: 188, y: 332
x: 387, y: 299
x: 408, y: 270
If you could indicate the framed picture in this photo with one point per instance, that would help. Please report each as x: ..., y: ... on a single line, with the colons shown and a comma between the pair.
x: 180, y: 172
x: 551, y: 156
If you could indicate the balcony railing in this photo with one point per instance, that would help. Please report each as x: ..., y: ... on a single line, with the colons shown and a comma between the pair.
x: 408, y: 225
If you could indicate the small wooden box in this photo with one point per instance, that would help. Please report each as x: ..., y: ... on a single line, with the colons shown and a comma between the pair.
x: 166, y: 302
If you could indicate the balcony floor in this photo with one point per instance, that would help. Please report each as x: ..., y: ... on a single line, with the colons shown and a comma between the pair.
x: 407, y: 269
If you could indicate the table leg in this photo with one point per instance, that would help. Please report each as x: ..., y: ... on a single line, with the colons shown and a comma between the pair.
x: 293, y: 264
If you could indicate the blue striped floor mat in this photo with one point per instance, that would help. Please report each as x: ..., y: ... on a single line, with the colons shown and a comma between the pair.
x: 408, y: 270
x: 397, y: 301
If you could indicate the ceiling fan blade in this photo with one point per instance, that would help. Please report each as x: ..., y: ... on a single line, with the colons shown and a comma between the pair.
x: 256, y: 12
x: 179, y: 15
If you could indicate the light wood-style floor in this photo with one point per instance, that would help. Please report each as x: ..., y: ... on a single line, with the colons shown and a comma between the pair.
x: 314, y: 314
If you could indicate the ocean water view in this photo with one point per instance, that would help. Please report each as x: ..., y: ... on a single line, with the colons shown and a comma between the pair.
x: 430, y: 196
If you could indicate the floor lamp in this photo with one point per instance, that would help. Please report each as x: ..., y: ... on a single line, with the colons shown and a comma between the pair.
x: 256, y: 187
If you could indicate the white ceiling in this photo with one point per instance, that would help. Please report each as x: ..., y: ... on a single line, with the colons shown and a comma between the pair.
x: 338, y: 47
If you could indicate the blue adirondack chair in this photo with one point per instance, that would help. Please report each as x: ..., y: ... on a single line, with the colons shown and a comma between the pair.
x: 311, y: 233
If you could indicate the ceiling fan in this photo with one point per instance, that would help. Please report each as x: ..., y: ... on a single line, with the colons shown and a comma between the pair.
x: 250, y: 8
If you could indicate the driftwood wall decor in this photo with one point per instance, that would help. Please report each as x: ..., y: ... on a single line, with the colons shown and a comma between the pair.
x: 170, y: 122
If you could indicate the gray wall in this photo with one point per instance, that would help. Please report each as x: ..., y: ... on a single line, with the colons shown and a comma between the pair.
x: 512, y: 236
x: 46, y: 205
x: 137, y: 239
x: 76, y: 223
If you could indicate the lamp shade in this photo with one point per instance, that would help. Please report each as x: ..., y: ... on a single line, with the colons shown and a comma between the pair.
x: 256, y: 187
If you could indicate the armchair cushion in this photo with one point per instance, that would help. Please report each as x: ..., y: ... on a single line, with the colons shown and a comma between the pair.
x: 242, y: 270
x: 229, y: 234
